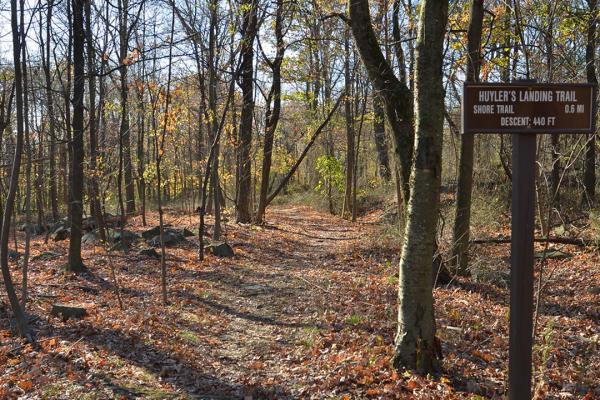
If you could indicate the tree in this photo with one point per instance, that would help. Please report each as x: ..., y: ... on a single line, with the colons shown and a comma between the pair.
x: 416, y: 346
x: 17, y: 28
x: 244, y: 176
x: 462, y: 219
x: 396, y: 96
x: 93, y: 125
x: 589, y: 177
x: 124, y: 129
x: 75, y: 263
x: 273, y: 112
x: 349, y: 127
x: 45, y: 52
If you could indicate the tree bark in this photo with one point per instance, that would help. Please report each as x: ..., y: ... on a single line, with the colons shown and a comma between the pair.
x: 416, y: 346
x: 243, y: 211
x: 124, y: 130
x: 93, y: 125
x: 272, y: 115
x: 22, y: 325
x: 589, y: 176
x: 347, y: 209
x: 75, y: 263
x: 381, y: 143
x: 462, y: 219
x: 51, y: 117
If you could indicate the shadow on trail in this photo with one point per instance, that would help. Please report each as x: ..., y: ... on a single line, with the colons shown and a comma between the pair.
x: 218, y: 307
x: 187, y: 377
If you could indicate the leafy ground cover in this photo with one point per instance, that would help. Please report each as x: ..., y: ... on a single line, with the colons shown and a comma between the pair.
x: 306, y: 309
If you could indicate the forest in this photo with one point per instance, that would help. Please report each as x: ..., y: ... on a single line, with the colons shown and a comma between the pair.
x: 283, y: 199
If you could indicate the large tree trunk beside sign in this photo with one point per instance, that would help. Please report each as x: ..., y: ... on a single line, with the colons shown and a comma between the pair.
x: 416, y: 346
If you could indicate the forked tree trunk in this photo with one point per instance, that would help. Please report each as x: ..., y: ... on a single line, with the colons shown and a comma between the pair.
x: 416, y: 346
x: 462, y: 219
x: 397, y: 98
x: 272, y: 115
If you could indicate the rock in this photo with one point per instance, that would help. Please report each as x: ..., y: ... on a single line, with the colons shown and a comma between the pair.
x: 88, y: 224
x: 150, y: 233
x: 149, y: 252
x: 220, y: 249
x: 61, y: 233
x: 126, y: 236
x: 68, y: 311
x: 171, y: 238
x: 63, y: 223
x: 121, y: 246
x: 115, y: 235
x: 90, y: 238
x: 187, y: 233
x: 34, y: 229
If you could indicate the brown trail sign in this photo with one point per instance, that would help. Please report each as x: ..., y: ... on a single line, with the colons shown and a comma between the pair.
x: 525, y: 108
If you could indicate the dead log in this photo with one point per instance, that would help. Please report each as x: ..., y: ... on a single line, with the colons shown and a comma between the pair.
x: 556, y: 240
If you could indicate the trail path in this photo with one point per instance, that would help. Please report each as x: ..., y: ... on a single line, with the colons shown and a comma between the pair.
x: 277, y: 296
x: 305, y: 310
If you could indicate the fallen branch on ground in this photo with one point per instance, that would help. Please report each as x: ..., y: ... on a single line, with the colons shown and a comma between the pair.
x: 557, y: 240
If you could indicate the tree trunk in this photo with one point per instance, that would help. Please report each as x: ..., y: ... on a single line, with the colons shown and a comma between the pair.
x: 416, y: 346
x: 462, y: 219
x: 381, y: 143
x: 124, y: 130
x: 51, y: 117
x: 75, y: 263
x: 243, y: 211
x: 272, y: 116
x: 397, y: 98
x: 212, y: 104
x: 14, y: 178
x: 589, y: 177
x: 93, y: 126
x: 29, y: 153
x: 347, y: 209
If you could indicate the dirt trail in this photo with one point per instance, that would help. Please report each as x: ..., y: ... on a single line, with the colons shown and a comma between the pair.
x: 278, y: 295
x: 305, y: 310
x: 234, y: 328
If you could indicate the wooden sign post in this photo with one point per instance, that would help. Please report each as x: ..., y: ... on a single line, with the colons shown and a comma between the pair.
x: 523, y: 109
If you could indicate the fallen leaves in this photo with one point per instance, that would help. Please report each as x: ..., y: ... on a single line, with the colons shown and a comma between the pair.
x: 307, y: 310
